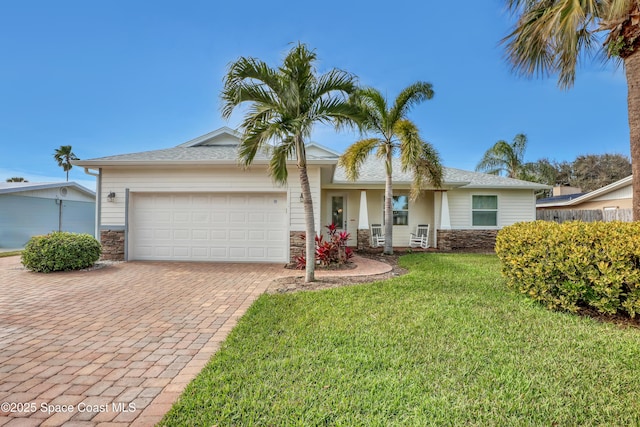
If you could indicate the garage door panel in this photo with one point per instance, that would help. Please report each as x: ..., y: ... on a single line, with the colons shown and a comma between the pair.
x: 219, y: 253
x: 218, y: 235
x: 209, y: 226
x: 200, y: 252
x: 181, y: 218
x: 200, y: 234
x: 162, y: 234
x: 181, y: 252
x: 256, y: 218
x: 181, y: 234
x: 220, y: 218
x: 257, y: 253
x: 238, y: 235
x: 274, y: 236
x: 162, y: 251
x: 200, y: 217
x: 257, y: 235
x: 161, y: 216
x: 237, y: 253
x: 238, y: 217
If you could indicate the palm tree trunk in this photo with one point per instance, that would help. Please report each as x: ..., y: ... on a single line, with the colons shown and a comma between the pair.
x: 632, y: 69
x: 388, y: 207
x: 310, y: 228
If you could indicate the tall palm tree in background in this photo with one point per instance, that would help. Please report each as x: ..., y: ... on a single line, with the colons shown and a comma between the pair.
x: 505, y: 158
x: 284, y: 104
x: 63, y: 156
x: 550, y: 35
x: 395, y: 134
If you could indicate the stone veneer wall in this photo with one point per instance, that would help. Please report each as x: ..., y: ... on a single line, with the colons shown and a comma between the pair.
x: 296, y: 245
x: 112, y: 245
x: 475, y: 240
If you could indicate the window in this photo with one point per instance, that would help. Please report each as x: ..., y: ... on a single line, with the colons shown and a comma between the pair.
x: 484, y: 211
x: 400, y: 208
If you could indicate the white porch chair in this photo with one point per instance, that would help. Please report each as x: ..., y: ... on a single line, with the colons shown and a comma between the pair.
x: 377, y: 235
x: 420, y: 237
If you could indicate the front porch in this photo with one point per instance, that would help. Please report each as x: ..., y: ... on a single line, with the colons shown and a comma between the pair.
x: 356, y: 210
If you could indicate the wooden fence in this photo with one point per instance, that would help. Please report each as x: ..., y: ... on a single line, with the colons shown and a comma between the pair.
x: 586, y: 215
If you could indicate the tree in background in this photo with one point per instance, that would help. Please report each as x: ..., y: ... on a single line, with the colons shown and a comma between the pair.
x: 587, y: 172
x: 16, y: 179
x: 505, y: 159
x: 543, y: 171
x: 63, y: 156
x: 284, y: 104
x: 394, y: 135
x: 594, y: 171
x: 550, y: 35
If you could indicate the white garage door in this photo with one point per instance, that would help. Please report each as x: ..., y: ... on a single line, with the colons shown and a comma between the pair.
x: 249, y: 227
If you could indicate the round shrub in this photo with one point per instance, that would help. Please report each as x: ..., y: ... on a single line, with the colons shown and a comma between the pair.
x: 574, y: 265
x: 61, y: 251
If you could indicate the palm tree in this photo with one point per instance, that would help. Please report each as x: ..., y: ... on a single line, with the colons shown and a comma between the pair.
x: 505, y: 158
x: 16, y: 179
x: 284, y: 104
x: 550, y: 35
x: 395, y: 135
x: 63, y: 156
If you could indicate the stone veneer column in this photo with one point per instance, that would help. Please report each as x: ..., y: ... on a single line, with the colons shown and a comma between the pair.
x: 296, y: 245
x: 364, y: 239
x: 112, y: 242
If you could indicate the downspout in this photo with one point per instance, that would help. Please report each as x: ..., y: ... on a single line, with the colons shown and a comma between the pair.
x: 98, y: 198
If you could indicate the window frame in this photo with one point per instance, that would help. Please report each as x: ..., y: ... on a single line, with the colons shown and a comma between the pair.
x: 397, y: 210
x: 496, y: 210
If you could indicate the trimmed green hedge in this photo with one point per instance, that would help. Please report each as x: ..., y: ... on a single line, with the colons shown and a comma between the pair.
x: 61, y: 251
x: 574, y: 265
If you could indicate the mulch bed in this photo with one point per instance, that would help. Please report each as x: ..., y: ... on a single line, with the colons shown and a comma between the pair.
x: 297, y: 283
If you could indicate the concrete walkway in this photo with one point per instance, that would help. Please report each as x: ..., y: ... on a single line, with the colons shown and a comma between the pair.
x: 116, y: 346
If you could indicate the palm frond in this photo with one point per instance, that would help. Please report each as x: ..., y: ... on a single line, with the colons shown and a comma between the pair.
x: 278, y: 162
x: 551, y: 35
x: 408, y: 98
x: 495, y: 159
x: 353, y: 158
x: 427, y: 169
x: 374, y: 106
x: 245, y: 79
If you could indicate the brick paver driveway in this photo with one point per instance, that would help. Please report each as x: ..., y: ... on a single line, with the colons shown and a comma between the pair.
x: 115, y: 345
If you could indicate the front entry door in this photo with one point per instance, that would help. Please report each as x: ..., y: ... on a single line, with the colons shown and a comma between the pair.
x: 338, y: 212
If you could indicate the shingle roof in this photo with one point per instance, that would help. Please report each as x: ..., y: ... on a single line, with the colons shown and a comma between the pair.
x: 373, y: 172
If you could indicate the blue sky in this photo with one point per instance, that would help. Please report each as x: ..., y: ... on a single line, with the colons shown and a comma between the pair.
x: 118, y: 76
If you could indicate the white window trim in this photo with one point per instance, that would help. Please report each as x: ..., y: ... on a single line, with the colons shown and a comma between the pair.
x: 497, y: 211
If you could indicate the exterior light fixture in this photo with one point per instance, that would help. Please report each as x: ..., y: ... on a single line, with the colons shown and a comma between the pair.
x: 301, y: 198
x: 111, y: 197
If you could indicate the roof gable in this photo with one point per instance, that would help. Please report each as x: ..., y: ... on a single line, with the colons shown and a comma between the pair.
x: 217, y: 147
x: 220, y: 137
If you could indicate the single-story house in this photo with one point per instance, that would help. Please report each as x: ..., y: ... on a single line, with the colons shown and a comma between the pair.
x: 28, y: 209
x: 611, y: 202
x: 618, y: 195
x: 194, y: 202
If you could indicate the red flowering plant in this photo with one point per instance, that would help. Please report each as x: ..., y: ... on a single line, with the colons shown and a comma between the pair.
x: 331, y: 252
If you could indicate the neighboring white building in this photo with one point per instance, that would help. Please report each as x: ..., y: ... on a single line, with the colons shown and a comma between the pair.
x: 193, y: 202
x: 31, y: 208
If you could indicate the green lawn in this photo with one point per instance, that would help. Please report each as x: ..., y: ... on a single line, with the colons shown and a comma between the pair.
x: 446, y: 344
